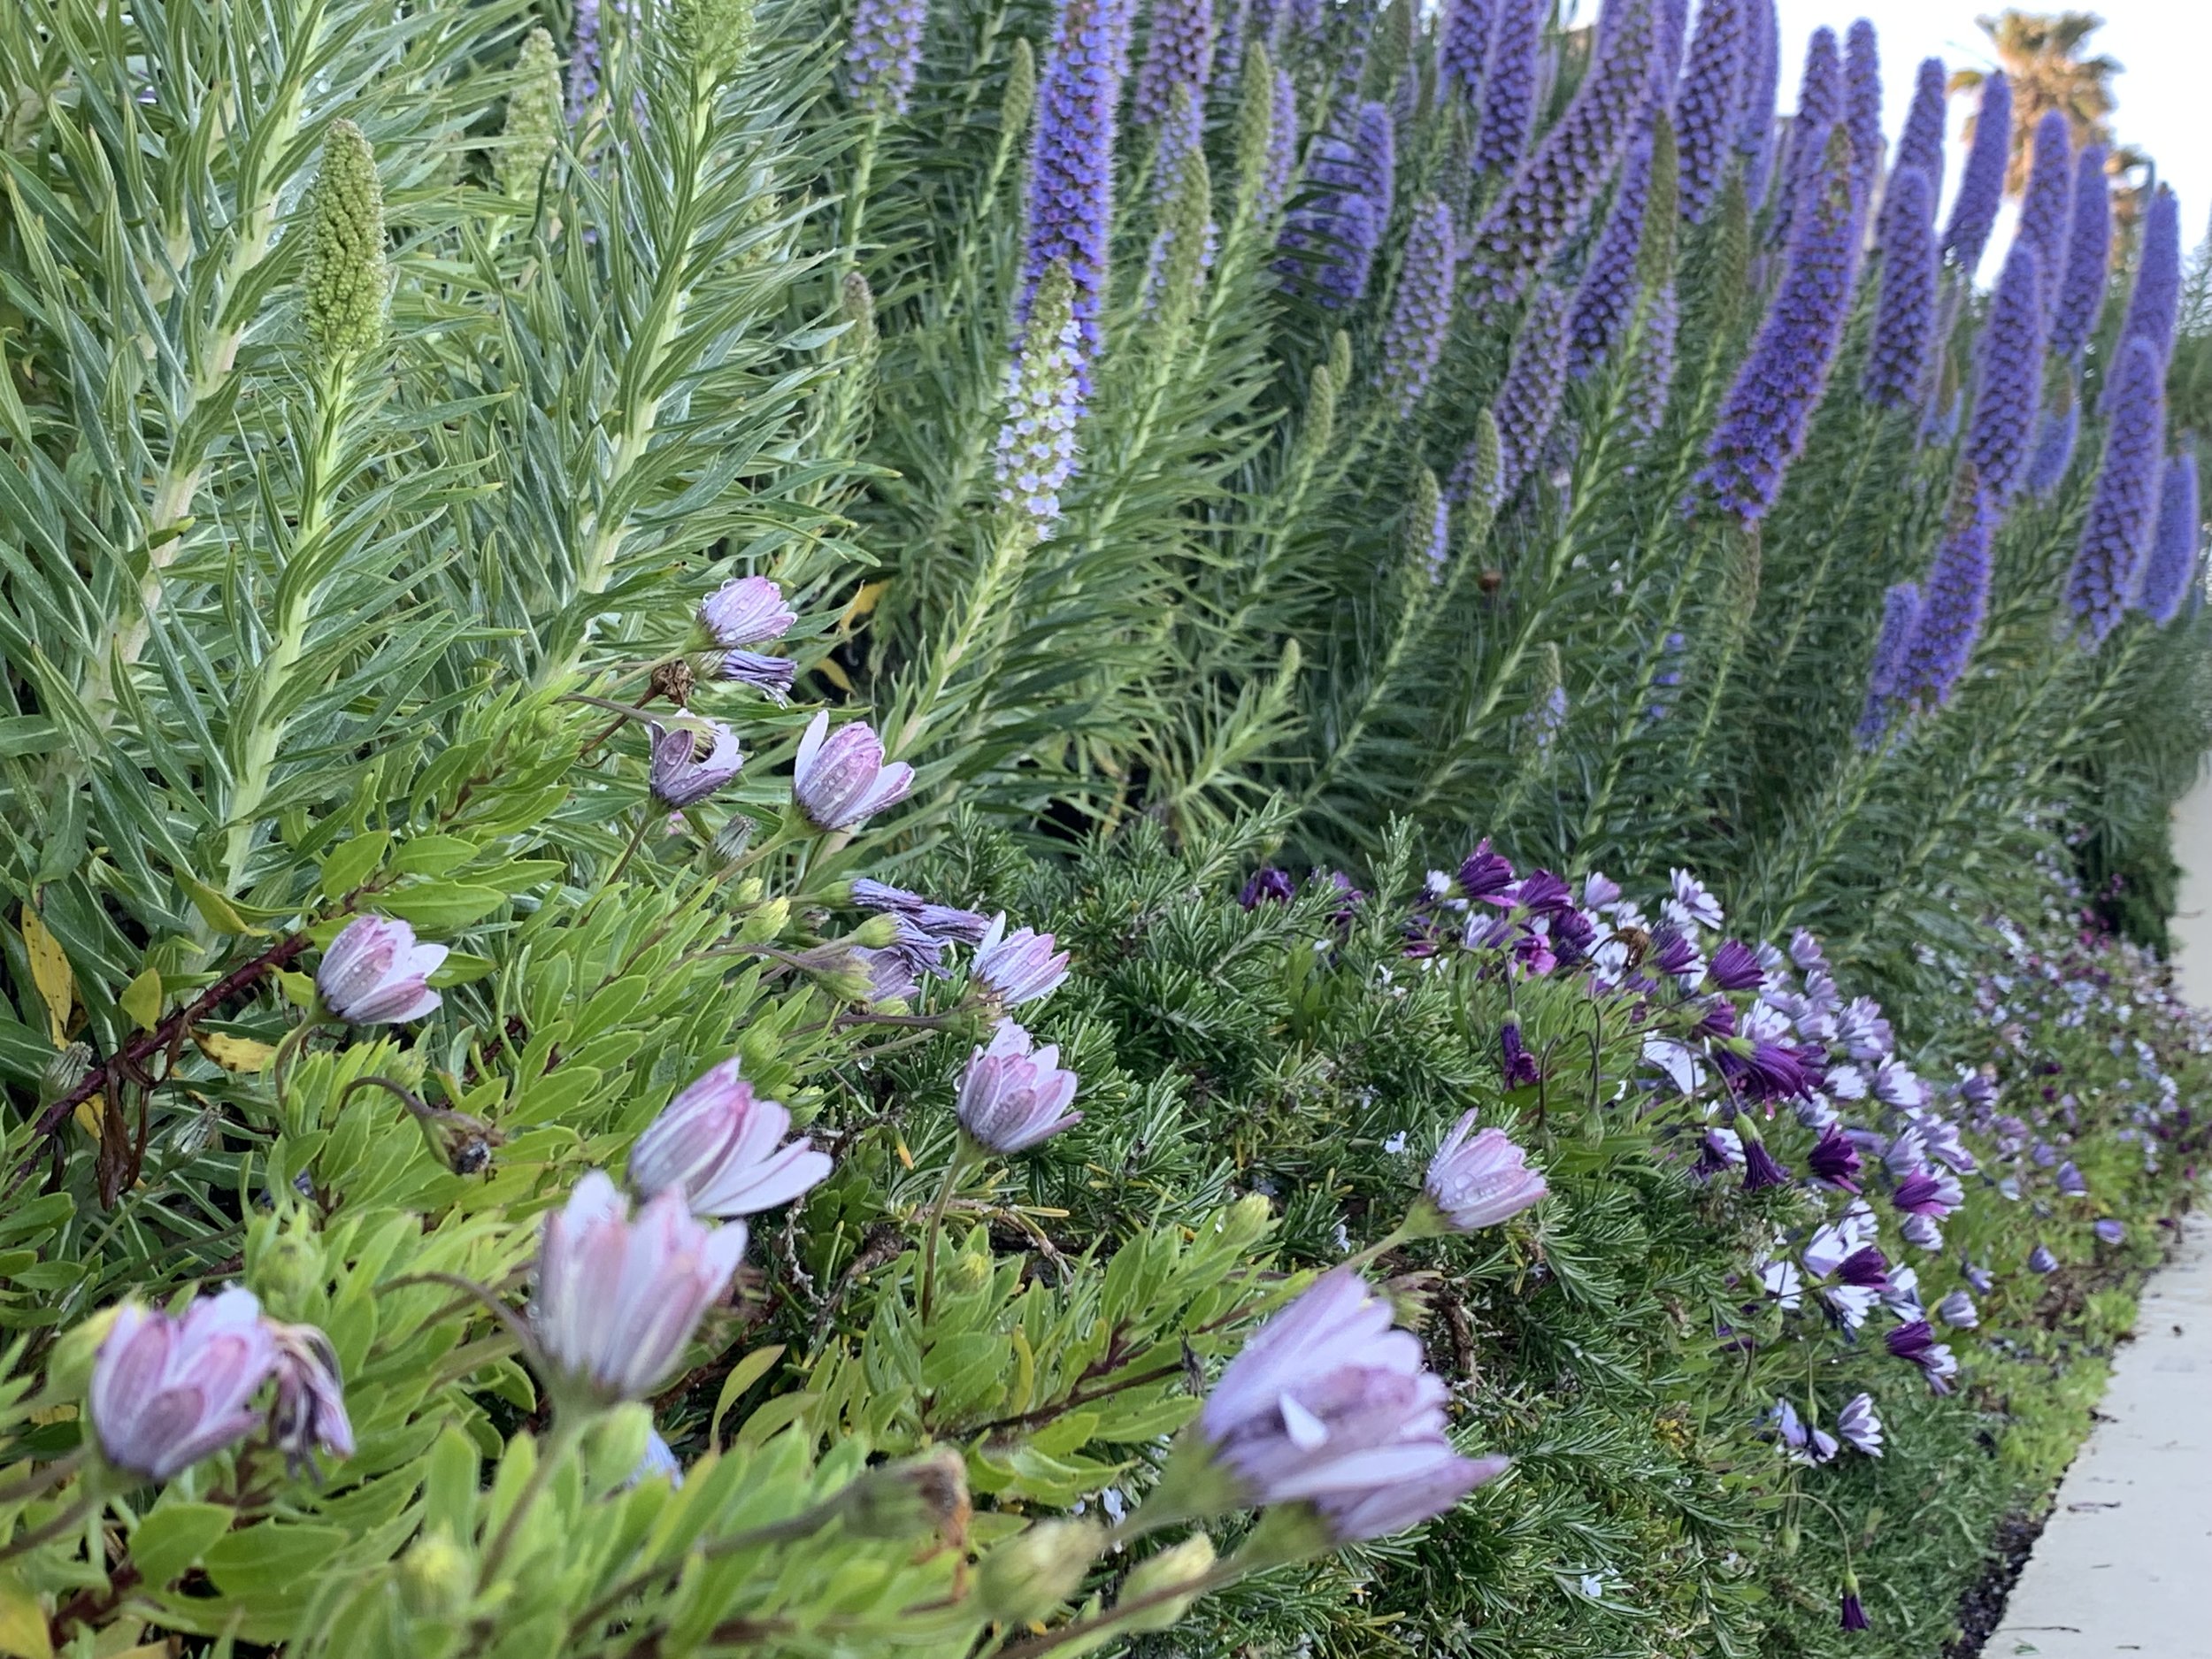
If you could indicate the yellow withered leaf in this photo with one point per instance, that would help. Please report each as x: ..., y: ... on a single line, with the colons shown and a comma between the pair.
x: 49, y: 972
x: 233, y: 1054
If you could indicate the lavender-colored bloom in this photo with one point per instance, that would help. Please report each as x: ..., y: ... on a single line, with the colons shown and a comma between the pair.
x: 1865, y: 1267
x: 2154, y: 305
x: 583, y: 61
x: 1708, y: 111
x: 1329, y: 1404
x: 2110, y: 1231
x: 1019, y: 967
x: 1478, y: 1179
x: 1230, y: 35
x: 1070, y: 199
x: 1268, y: 885
x: 2070, y: 1182
x: 1606, y: 295
x: 723, y: 1147
x: 1953, y: 603
x: 2054, y: 453
x: 2171, y: 569
x: 944, y: 922
x: 840, y: 781
x: 1903, y: 341
x: 748, y: 611
x: 1934, y: 1194
x: 1958, y: 1311
x: 1178, y: 52
x: 691, y: 759
x: 1982, y: 186
x: 2108, y: 569
x: 1282, y: 150
x: 373, y: 972
x: 309, y: 1412
x: 1421, y: 316
x: 1672, y: 30
x: 771, y: 676
x: 1462, y: 44
x: 1509, y: 91
x: 1980, y: 1277
x: 885, y: 54
x: 1035, y: 449
x: 1014, y: 1095
x: 657, y: 1461
x: 615, y: 1300
x: 1915, y: 1343
x: 167, y: 1391
x: 2041, y: 1261
x: 1735, y: 967
x: 1549, y: 197
x: 1860, y: 1426
x: 1835, y: 1160
x: 2045, y: 202
x: 1820, y: 110
x: 1516, y: 1066
x: 1862, y: 112
x: 1759, y: 1167
x: 1921, y: 144
x: 1652, y: 377
x: 1487, y: 875
x: 1342, y: 225
x: 1768, y: 411
x: 2088, y: 255
x: 1762, y: 85
x: 1535, y: 384
x: 1854, y: 1615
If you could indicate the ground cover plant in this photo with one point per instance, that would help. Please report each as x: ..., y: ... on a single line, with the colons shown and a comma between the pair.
x: 982, y: 829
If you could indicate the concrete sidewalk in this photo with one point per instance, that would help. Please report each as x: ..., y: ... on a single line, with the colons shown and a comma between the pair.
x: 2125, y: 1565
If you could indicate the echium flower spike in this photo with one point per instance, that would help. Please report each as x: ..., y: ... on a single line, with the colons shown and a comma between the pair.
x: 1282, y: 149
x: 1549, y: 198
x: 1462, y: 44
x: 1428, y: 527
x: 2055, y: 437
x: 1819, y: 111
x: 583, y: 61
x: 1509, y: 88
x: 1863, y: 106
x: 1609, y: 288
x: 1035, y: 451
x: 346, y: 281
x: 709, y: 37
x: 1254, y: 132
x: 1982, y: 185
x: 1953, y: 601
x: 1767, y: 412
x: 2154, y: 305
x: 2171, y: 569
x: 1653, y: 376
x: 2044, y: 203
x: 1901, y: 614
x: 1183, y: 247
x: 2108, y: 565
x: 1342, y: 228
x: 1179, y: 52
x: 2011, y: 374
x: 1421, y: 314
x: 1476, y: 482
x: 1903, y: 336
x: 2088, y: 255
x: 1535, y: 383
x: 1708, y: 111
x: 1070, y: 201
x: 1921, y: 143
x: 1762, y: 85
x: 884, y: 53
x: 534, y: 118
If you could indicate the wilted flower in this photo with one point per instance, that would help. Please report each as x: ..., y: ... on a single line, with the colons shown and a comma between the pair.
x: 1979, y: 1277
x: 1860, y: 1426
x: 615, y: 1300
x: 718, y: 1144
x: 771, y: 676
x: 841, y: 780
x: 692, y: 759
x: 1478, y: 1179
x: 748, y: 611
x: 167, y: 1391
x: 1328, y: 1404
x: 373, y: 972
x: 1019, y: 967
x: 944, y: 922
x: 1012, y: 1096
x: 310, y: 1409
x: 1958, y: 1311
x: 2041, y: 1261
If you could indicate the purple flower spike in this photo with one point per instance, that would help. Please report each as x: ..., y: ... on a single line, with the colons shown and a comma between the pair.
x: 2171, y: 570
x: 2055, y: 435
x: 1903, y: 341
x: 1549, y: 197
x: 1535, y: 385
x: 1762, y: 85
x: 2154, y: 305
x: 1020, y: 966
x: 1178, y: 53
x: 1768, y: 411
x: 1915, y: 1343
x: 1341, y: 227
x: 1478, y: 1179
x: 1835, y: 1160
x: 885, y: 54
x: 2044, y: 204
x: 1328, y: 1404
x: 1982, y: 186
x: 723, y: 1147
x: 1607, y: 296
x: 167, y: 1391
x: 2108, y: 566
x: 1953, y: 603
x: 1709, y: 111
x: 1820, y: 109
x: 1859, y: 1426
x: 2009, y: 375
x: 748, y: 611
x: 1508, y: 92
x: 1282, y: 150
x: 1921, y: 144
x: 374, y: 973
x: 1421, y: 316
x: 1462, y: 44
x: 1014, y: 1095
x: 615, y: 1300
x: 1863, y: 106
x: 2041, y: 1261
x: 2088, y: 255
x: 1071, y: 200
x: 1035, y: 454
x: 691, y: 759
x: 583, y: 61
x: 840, y: 781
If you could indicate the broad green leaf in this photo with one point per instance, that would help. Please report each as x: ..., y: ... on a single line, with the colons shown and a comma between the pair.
x: 175, y: 1535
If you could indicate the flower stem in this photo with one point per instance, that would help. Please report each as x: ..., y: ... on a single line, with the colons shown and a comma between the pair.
x: 568, y: 1429
x: 961, y: 1159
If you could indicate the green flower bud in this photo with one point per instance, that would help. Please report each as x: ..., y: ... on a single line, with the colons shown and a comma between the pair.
x: 768, y: 918
x: 1185, y: 1565
x: 1341, y: 358
x: 1021, y: 92
x: 874, y: 933
x: 907, y: 1499
x: 1032, y: 1572
x: 288, y: 1271
x: 347, y: 281
x: 69, y: 1368
x: 435, y: 1577
x: 1255, y: 128
x: 534, y: 118
x: 710, y: 37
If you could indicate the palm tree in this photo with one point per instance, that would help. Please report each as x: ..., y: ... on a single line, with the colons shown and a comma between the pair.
x: 2039, y: 53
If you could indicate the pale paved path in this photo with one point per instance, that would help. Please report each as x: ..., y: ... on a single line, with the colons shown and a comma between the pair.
x: 2125, y: 1565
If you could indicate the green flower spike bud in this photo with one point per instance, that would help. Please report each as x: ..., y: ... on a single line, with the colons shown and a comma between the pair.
x: 710, y: 36
x: 1021, y: 92
x: 346, y: 279
x: 534, y: 118
x: 1032, y: 1572
x: 435, y: 1577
